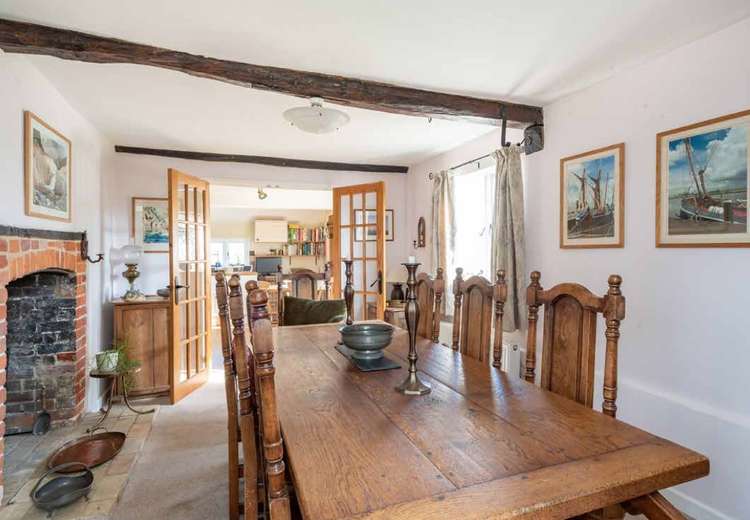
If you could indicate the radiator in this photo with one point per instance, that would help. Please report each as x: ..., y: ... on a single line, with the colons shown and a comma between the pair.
x: 512, y: 360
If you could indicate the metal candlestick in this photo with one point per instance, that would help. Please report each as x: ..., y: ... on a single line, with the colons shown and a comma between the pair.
x: 349, y: 292
x: 412, y: 385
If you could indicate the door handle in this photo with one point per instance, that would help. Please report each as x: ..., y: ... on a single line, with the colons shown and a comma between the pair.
x: 379, y: 281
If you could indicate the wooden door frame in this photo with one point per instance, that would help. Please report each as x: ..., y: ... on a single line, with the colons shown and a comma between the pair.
x: 379, y: 189
x: 178, y: 389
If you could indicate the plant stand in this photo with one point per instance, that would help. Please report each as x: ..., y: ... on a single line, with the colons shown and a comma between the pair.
x: 115, y: 379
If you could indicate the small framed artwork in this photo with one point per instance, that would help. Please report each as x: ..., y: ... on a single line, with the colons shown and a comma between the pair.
x: 150, y: 228
x: 389, y: 221
x: 702, y: 184
x: 370, y: 218
x: 592, y: 198
x: 47, y: 170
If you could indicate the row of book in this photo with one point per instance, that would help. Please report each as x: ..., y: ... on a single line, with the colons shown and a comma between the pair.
x: 297, y: 233
x: 306, y: 249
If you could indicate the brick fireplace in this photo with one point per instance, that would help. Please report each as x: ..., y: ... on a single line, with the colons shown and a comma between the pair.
x: 43, y: 339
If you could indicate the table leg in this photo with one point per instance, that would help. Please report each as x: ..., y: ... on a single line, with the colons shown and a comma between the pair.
x: 106, y: 411
x: 127, y: 402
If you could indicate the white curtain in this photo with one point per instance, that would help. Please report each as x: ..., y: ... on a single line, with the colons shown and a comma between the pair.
x: 508, y: 233
x: 443, y: 231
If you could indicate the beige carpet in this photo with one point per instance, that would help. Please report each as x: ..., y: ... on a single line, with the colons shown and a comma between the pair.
x: 182, y: 471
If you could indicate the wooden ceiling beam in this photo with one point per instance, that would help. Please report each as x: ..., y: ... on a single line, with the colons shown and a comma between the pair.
x: 268, y: 161
x: 27, y: 38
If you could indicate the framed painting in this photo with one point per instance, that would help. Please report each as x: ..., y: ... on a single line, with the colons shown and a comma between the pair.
x: 592, y: 198
x: 389, y: 221
x: 702, y: 185
x: 47, y: 170
x: 150, y: 228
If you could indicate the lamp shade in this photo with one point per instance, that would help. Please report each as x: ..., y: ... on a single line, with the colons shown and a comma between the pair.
x: 132, y: 254
x: 316, y: 119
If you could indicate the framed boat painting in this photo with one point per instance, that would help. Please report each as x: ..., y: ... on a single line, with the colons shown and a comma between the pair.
x: 47, y: 170
x: 151, y: 224
x: 702, y: 184
x: 592, y: 195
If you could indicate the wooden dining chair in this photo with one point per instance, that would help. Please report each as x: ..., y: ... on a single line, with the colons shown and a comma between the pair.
x: 472, y: 316
x: 569, y: 339
x: 304, y: 284
x: 430, y: 298
x: 235, y: 468
x: 274, y: 469
x: 245, y: 367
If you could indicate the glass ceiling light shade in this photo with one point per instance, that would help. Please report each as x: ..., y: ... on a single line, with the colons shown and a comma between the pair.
x: 316, y: 119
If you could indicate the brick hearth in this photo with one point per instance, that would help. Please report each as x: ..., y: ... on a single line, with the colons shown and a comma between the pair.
x: 23, y: 252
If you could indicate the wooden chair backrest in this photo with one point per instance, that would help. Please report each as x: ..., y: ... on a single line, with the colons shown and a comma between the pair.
x: 476, y: 317
x: 245, y: 366
x: 569, y: 339
x: 430, y: 298
x: 277, y: 495
x: 230, y: 387
x: 303, y: 284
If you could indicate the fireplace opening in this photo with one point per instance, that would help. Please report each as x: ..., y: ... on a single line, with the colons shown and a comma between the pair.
x: 41, y: 349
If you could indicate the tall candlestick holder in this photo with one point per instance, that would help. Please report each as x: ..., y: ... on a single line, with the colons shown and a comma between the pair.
x: 412, y: 385
x: 349, y: 291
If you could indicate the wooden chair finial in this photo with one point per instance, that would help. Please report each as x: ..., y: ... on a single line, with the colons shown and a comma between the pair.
x: 535, y: 277
x: 500, y: 276
x: 614, y: 281
x: 251, y: 285
x: 439, y: 275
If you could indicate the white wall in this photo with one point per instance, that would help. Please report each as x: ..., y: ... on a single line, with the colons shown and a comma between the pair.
x: 685, y: 346
x: 136, y: 175
x: 23, y: 87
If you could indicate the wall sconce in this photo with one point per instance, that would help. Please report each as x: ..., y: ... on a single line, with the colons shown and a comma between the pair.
x: 420, y: 241
x: 85, y: 251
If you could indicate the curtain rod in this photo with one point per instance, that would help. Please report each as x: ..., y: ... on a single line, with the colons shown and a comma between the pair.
x: 525, y: 140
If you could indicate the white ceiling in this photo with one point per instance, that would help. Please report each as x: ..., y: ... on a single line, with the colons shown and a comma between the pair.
x: 527, y: 51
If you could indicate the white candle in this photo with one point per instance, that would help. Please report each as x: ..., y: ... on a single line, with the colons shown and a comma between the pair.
x: 412, y: 260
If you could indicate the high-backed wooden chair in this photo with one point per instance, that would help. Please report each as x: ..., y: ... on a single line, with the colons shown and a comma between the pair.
x: 472, y: 316
x: 276, y: 492
x: 245, y: 368
x: 430, y: 298
x: 303, y: 283
x: 569, y: 339
x: 235, y: 468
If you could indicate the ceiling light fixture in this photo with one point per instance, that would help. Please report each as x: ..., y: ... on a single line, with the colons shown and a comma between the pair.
x: 316, y: 119
x: 262, y: 195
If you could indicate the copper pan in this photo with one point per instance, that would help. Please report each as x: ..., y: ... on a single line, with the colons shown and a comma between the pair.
x: 91, y: 450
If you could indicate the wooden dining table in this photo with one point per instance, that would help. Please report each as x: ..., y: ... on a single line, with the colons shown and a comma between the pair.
x: 483, y: 444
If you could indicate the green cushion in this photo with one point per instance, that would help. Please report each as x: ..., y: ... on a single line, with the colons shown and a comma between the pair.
x: 301, y: 311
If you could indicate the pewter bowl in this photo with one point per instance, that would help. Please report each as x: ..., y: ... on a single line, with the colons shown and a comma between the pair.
x: 366, y: 340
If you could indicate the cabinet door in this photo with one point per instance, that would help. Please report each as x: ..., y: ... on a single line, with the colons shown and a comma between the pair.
x: 134, y: 325
x: 160, y: 321
x: 272, y: 231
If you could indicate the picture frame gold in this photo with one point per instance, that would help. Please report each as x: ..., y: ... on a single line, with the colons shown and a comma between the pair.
x: 691, y: 219
x: 609, y: 222
x: 54, y: 181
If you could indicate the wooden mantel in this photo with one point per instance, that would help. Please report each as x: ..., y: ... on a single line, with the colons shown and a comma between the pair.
x: 27, y: 38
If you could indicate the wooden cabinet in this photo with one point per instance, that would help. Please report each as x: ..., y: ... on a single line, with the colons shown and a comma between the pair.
x: 273, y: 231
x: 145, y: 326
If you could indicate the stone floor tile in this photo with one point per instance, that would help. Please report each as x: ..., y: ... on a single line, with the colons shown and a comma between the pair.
x: 121, y: 464
x: 108, y: 487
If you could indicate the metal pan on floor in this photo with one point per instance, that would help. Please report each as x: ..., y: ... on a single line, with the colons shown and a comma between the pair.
x: 92, y: 450
x: 64, y: 490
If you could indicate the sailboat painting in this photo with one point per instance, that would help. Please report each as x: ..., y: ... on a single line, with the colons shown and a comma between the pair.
x: 703, y: 184
x: 591, y: 198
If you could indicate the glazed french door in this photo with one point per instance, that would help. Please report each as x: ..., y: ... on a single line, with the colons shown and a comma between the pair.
x: 190, y: 275
x: 359, y: 235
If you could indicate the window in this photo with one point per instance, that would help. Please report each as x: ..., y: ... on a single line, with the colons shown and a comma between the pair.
x: 228, y: 252
x: 473, y: 202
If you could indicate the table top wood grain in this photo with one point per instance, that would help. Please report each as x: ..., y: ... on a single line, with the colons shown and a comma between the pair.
x: 482, y: 445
